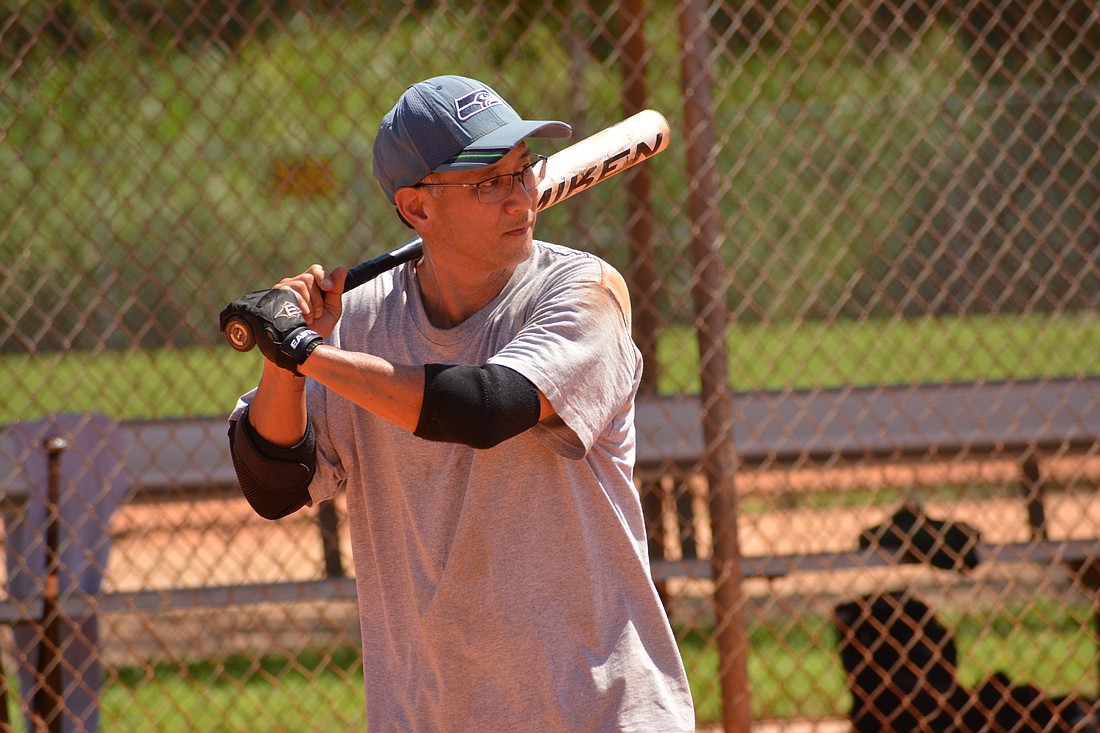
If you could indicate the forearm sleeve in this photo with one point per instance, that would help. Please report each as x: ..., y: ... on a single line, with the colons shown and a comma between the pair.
x: 478, y: 406
x: 275, y: 480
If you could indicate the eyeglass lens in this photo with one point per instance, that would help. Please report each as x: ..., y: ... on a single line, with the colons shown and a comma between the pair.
x: 497, y: 189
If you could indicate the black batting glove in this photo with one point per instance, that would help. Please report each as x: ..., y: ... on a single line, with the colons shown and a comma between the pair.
x: 278, y: 326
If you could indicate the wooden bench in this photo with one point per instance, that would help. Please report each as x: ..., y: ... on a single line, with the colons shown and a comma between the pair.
x: 1025, y: 420
x: 176, y: 460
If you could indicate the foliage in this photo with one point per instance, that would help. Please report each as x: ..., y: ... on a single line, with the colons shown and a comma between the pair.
x: 130, y: 185
x: 141, y: 196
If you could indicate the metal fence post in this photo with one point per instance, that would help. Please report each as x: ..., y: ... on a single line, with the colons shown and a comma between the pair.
x: 708, y: 294
x: 49, y: 703
x: 642, y: 274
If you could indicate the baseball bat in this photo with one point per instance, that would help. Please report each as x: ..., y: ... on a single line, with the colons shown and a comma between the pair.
x: 568, y: 172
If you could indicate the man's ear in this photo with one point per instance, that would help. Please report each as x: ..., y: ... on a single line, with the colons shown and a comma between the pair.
x: 410, y: 205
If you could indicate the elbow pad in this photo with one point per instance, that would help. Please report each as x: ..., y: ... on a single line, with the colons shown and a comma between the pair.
x: 478, y: 406
x: 274, y: 480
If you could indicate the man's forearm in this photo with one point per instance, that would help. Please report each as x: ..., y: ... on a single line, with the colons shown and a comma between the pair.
x: 390, y: 391
x: 278, y: 409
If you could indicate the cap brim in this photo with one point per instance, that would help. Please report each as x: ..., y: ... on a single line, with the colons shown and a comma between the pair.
x: 497, y: 143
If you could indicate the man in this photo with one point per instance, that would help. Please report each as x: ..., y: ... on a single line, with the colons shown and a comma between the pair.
x: 477, y: 406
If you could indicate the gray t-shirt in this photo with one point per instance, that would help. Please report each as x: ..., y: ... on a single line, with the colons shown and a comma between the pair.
x: 508, y: 588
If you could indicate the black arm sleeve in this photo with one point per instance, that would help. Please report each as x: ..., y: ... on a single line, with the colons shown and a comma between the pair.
x: 478, y: 406
x: 274, y: 480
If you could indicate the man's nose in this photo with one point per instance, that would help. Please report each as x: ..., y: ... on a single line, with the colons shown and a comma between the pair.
x: 519, y: 197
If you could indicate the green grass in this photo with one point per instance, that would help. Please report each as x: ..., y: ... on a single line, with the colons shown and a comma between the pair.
x: 314, y: 691
x: 206, y: 381
x: 127, y: 384
x: 794, y: 671
x: 891, y: 351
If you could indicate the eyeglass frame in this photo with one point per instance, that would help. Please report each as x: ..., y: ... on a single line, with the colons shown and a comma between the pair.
x: 539, y: 160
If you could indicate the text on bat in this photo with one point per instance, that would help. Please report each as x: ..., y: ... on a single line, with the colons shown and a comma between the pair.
x: 597, y: 172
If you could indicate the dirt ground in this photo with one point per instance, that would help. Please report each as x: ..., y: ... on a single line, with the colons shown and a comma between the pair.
x: 206, y: 543
x: 224, y: 542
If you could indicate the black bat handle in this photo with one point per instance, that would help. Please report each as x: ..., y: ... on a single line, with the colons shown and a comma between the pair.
x: 366, y: 271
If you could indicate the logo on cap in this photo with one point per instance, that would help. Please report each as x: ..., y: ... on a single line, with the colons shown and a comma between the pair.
x: 474, y: 102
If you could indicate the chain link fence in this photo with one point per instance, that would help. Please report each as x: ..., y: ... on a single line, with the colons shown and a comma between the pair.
x: 866, y: 280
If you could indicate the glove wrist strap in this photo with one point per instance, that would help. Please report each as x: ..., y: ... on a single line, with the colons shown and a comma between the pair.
x: 299, y: 344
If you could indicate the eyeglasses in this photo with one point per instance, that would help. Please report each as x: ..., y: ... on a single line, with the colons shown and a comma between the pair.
x: 496, y: 189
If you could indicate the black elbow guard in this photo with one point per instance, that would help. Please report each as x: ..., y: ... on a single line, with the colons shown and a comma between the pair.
x: 478, y: 406
x: 274, y: 480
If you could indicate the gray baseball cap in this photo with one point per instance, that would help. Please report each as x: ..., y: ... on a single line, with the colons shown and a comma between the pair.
x: 449, y: 123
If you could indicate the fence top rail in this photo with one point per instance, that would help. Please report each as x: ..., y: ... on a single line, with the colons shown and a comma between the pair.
x: 895, y: 421
x: 160, y: 458
x: 164, y: 456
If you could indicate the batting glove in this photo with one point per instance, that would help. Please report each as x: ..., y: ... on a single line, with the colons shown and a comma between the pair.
x: 278, y: 326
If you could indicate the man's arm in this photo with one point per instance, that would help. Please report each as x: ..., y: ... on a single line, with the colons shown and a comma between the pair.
x: 395, y: 393
x: 274, y: 479
x: 478, y: 406
x: 278, y: 409
x: 272, y: 444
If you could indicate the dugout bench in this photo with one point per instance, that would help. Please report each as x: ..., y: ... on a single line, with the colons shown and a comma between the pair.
x: 164, y: 460
x: 1026, y: 421
x: 1023, y: 420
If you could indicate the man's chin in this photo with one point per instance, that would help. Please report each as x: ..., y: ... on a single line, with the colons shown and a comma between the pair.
x: 520, y: 244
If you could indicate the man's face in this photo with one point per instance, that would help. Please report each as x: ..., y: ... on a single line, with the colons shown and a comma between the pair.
x: 497, y: 233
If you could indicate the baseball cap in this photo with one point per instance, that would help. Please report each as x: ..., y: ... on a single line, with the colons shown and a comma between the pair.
x: 449, y: 123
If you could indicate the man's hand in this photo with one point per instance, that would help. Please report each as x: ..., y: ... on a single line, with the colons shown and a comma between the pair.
x: 278, y: 326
